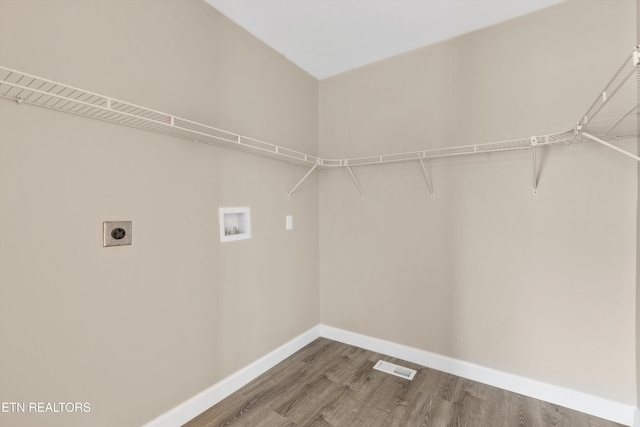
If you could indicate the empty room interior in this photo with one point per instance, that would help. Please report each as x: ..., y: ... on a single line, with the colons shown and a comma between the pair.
x: 222, y: 195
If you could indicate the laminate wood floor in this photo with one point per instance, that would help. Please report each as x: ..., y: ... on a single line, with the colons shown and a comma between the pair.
x: 330, y: 384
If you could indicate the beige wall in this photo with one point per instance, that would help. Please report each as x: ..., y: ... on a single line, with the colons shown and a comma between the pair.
x: 137, y: 330
x: 539, y: 286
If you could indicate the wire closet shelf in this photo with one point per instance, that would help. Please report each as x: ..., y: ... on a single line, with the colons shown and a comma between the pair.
x: 29, y: 89
x: 614, y: 113
x: 612, y: 116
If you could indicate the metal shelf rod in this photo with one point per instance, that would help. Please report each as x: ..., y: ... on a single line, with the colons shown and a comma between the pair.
x: 613, y: 147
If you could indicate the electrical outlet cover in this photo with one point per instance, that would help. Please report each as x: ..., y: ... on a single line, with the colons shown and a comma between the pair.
x: 116, y: 233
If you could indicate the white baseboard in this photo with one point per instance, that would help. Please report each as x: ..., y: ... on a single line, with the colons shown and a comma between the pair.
x: 614, y: 411
x: 589, y: 404
x: 202, y: 401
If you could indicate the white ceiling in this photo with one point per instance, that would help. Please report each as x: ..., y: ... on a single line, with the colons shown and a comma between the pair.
x: 327, y: 37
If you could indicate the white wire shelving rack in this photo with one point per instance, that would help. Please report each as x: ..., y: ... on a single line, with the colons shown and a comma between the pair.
x: 614, y: 113
x: 29, y: 89
x: 612, y: 116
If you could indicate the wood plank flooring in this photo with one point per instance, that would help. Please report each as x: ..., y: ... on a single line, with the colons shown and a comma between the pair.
x: 330, y: 384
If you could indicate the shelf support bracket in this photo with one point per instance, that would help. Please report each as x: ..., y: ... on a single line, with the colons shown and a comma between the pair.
x: 301, y: 181
x: 356, y: 181
x: 426, y: 177
x: 534, y: 150
x: 613, y: 147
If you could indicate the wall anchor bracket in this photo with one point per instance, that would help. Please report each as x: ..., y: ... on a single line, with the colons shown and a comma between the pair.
x: 356, y: 181
x: 534, y: 150
x: 301, y: 181
x: 426, y: 177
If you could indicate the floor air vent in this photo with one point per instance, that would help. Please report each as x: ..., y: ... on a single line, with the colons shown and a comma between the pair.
x: 398, y: 371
